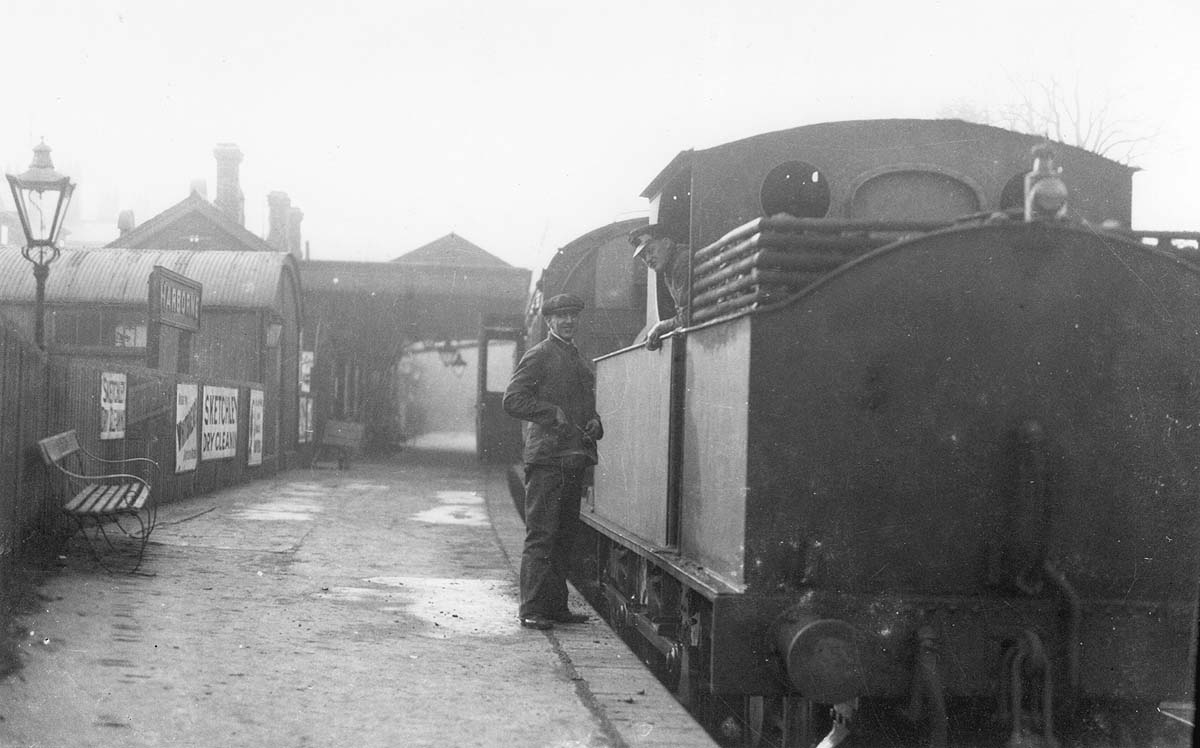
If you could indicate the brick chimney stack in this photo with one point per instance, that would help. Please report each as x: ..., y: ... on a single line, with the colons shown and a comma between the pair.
x: 295, y: 242
x: 278, y: 205
x: 229, y: 190
x: 125, y: 222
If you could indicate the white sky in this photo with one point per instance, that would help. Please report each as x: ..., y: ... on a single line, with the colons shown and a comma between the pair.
x: 522, y: 125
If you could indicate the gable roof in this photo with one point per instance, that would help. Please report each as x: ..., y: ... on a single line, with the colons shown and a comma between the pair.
x: 453, y: 250
x: 193, y: 208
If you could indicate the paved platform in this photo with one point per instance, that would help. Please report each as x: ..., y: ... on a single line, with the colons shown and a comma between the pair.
x: 369, y: 607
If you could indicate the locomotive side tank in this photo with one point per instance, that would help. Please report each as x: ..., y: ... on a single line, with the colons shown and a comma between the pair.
x: 942, y: 472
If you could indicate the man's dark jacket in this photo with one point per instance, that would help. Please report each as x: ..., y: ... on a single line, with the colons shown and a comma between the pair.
x: 552, y: 374
x: 675, y: 275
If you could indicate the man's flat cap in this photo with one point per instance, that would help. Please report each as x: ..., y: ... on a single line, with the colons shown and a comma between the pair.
x: 642, y: 235
x: 649, y: 231
x: 563, y: 302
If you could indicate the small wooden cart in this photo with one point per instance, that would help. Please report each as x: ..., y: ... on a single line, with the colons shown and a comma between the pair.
x: 340, y: 440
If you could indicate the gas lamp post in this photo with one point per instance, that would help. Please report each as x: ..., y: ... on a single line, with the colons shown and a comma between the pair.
x: 41, y: 195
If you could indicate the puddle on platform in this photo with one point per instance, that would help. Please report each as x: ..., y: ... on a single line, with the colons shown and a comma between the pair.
x: 474, y: 607
x: 280, y: 511
x: 355, y: 487
x: 457, y: 508
x: 305, y: 489
x: 459, y: 497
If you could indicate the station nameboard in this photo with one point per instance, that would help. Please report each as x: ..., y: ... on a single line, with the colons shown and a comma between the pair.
x: 174, y: 299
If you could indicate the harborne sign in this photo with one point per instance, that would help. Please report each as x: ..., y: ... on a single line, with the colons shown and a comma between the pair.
x: 174, y: 299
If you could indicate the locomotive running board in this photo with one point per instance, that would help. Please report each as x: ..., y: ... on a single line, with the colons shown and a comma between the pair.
x: 668, y: 558
x: 742, y: 661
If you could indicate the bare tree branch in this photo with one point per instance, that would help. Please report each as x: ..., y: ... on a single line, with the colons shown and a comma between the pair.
x: 1047, y: 108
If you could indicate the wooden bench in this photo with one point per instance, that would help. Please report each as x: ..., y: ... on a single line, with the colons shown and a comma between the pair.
x: 98, y: 493
x: 342, y: 439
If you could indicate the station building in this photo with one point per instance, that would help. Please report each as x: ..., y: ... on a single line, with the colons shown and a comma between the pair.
x: 96, y: 313
x: 360, y: 341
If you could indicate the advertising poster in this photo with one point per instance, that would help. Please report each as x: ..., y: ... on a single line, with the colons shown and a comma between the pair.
x: 254, y: 452
x: 112, y: 405
x: 306, y: 424
x: 186, y: 441
x: 306, y: 366
x: 219, y: 423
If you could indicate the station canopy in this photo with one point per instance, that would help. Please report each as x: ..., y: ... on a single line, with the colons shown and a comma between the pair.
x: 441, y: 291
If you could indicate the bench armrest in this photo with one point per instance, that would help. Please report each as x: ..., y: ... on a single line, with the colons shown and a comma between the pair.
x: 98, y: 458
x: 127, y: 460
x: 118, y: 477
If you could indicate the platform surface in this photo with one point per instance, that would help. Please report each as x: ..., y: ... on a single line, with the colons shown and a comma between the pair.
x: 374, y: 606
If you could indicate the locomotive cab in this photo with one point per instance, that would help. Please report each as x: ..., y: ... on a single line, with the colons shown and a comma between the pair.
x: 670, y: 199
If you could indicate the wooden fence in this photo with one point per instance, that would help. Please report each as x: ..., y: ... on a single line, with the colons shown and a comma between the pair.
x: 40, y: 397
x: 25, y: 504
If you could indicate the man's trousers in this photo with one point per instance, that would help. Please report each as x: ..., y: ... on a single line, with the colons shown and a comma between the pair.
x: 552, y: 495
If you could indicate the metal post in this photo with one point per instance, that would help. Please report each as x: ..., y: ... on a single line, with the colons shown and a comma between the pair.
x: 40, y: 273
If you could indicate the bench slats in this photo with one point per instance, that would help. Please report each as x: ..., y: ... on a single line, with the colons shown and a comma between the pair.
x: 135, y: 497
x: 91, y: 497
x: 85, y: 499
x: 97, y: 499
x: 113, y: 499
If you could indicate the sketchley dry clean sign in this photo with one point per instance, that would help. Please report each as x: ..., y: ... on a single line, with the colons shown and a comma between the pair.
x: 219, y: 428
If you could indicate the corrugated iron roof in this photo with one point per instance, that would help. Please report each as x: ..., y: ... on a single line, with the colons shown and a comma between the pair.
x: 248, y: 280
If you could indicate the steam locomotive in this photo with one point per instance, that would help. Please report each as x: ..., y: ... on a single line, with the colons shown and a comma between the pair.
x: 922, y: 467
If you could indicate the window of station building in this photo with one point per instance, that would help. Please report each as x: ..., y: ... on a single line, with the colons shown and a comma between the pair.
x: 107, y: 327
x: 796, y: 188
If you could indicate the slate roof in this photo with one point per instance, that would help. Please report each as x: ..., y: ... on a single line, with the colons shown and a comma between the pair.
x: 225, y: 232
x: 452, y: 250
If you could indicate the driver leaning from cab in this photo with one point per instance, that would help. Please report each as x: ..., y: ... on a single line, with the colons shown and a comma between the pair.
x: 655, y: 246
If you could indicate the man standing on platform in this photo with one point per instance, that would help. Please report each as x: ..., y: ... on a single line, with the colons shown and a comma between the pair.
x: 554, y: 391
